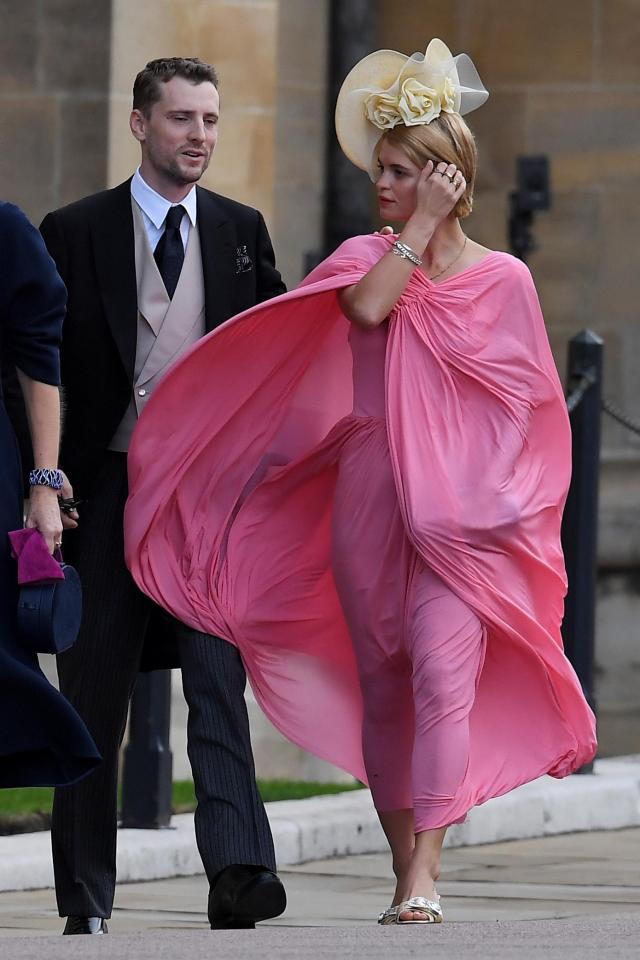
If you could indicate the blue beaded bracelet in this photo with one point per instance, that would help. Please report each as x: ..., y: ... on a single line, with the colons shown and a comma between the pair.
x: 43, y: 477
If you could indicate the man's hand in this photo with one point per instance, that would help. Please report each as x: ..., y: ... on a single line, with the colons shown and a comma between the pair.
x: 70, y: 518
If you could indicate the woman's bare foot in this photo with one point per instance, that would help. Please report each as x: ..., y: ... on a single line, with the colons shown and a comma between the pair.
x: 416, y: 859
x: 419, y: 881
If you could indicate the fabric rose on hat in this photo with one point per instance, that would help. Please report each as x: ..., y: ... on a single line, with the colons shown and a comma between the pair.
x: 417, y: 103
x: 381, y: 109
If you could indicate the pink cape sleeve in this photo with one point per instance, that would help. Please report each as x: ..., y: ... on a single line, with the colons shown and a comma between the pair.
x: 483, y: 473
x: 232, y: 471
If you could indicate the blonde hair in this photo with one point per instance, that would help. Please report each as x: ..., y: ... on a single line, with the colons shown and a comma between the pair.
x: 446, y: 138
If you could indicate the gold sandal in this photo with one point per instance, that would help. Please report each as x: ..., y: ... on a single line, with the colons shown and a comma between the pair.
x: 390, y: 915
x: 430, y: 908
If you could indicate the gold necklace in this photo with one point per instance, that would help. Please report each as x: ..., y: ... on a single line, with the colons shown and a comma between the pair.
x: 453, y: 262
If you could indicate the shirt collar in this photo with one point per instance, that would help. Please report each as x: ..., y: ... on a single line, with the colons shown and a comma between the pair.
x: 156, y: 206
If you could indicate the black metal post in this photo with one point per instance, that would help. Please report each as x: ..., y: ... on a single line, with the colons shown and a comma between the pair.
x: 348, y: 197
x: 148, y: 763
x: 348, y: 207
x: 580, y: 522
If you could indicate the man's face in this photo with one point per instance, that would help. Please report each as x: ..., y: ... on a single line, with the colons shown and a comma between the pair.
x: 179, y: 133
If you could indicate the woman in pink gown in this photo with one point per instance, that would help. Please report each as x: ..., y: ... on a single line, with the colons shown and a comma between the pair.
x: 361, y: 483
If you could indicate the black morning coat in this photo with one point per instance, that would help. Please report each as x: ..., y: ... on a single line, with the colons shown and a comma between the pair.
x: 92, y: 243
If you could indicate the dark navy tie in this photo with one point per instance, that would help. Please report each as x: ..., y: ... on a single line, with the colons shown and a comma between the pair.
x: 169, y: 254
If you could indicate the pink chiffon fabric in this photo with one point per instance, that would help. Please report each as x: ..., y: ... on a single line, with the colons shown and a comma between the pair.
x: 233, y: 478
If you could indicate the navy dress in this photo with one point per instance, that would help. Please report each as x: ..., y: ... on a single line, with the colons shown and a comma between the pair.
x: 42, y: 739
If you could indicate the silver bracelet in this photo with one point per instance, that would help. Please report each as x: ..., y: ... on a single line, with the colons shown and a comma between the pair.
x: 402, y: 250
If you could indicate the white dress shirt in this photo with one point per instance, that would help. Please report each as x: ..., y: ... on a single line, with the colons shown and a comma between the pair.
x: 155, y: 208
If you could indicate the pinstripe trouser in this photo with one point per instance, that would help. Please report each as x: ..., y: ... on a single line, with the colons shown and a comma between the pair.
x: 98, y: 674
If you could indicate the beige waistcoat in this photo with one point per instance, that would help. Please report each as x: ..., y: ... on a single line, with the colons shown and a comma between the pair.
x: 166, y: 328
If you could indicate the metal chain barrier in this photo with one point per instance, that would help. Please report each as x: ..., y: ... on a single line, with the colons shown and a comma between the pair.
x: 578, y: 386
x: 617, y: 414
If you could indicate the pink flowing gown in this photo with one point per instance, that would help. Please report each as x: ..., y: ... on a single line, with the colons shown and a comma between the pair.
x: 233, y: 478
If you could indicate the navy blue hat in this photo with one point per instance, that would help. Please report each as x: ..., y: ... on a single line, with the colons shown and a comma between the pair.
x: 49, y: 613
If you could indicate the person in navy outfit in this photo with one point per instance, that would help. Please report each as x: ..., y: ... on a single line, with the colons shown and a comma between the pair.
x: 42, y: 739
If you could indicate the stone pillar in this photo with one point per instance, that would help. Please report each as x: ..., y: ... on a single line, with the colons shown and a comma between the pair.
x: 240, y: 39
x: 269, y: 155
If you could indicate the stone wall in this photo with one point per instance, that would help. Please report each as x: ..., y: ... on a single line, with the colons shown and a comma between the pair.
x: 54, y: 80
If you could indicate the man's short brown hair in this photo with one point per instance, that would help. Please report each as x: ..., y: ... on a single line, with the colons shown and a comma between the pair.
x: 146, y: 88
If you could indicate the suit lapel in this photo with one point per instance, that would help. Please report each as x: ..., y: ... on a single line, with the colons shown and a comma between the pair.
x: 218, y: 245
x: 114, y: 253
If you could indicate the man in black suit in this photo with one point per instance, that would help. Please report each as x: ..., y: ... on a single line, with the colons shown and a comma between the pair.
x: 150, y: 266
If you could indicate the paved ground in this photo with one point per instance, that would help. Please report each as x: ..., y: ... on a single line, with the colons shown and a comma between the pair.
x: 572, y: 896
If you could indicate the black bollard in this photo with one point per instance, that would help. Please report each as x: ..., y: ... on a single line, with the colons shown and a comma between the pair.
x: 348, y: 206
x: 580, y: 521
x: 148, y: 763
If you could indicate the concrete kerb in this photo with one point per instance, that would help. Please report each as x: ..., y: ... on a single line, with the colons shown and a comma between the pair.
x: 346, y: 823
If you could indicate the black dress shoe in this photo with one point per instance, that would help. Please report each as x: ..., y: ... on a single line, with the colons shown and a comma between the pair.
x: 243, y: 895
x: 92, y: 925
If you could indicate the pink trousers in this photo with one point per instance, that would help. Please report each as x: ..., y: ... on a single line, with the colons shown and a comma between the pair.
x: 419, y: 648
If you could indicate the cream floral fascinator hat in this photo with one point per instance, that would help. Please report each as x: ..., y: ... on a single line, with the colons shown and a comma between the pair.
x: 387, y: 88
